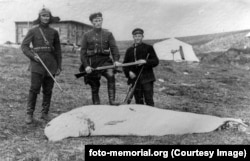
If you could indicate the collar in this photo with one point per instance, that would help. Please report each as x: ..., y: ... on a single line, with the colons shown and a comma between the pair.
x: 136, y: 45
x: 97, y: 29
x: 44, y: 25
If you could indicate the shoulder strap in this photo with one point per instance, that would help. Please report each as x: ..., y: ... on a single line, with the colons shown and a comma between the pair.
x: 44, y: 38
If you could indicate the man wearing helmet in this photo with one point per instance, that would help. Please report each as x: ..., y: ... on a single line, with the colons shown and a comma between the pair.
x: 46, y: 44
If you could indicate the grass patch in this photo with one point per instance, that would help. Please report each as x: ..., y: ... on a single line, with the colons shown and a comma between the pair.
x: 201, y: 88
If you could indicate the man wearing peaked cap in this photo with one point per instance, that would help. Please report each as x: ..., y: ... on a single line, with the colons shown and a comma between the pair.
x: 137, y: 31
x: 143, y: 53
x: 49, y: 51
x: 98, y: 48
x: 95, y: 15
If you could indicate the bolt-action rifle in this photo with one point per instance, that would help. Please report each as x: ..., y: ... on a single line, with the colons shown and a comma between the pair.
x: 132, y: 86
x: 48, y: 71
x: 81, y: 74
x: 131, y: 89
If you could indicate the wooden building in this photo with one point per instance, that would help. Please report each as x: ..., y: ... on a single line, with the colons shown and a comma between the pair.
x: 70, y: 31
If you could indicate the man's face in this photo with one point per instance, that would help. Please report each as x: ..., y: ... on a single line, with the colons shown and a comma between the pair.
x: 97, y: 22
x: 138, y: 38
x: 45, y: 18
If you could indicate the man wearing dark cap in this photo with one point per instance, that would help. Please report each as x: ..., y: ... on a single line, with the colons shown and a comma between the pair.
x: 46, y: 45
x: 144, y: 53
x: 98, y: 48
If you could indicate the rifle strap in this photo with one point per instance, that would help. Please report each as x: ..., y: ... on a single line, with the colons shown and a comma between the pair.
x: 44, y: 38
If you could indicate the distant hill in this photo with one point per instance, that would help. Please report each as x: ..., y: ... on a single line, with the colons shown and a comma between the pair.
x: 202, y: 39
x: 204, y: 43
x: 224, y: 42
x: 217, y: 42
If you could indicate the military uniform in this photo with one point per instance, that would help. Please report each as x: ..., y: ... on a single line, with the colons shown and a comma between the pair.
x: 51, y: 55
x: 144, y: 87
x: 98, y: 48
x: 52, y: 58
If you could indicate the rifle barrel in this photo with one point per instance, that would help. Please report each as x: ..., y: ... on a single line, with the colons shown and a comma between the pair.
x: 78, y: 75
x: 131, y: 91
x: 49, y: 72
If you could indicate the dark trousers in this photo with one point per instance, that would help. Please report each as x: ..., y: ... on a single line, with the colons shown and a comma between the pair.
x: 38, y: 81
x: 93, y: 80
x: 144, y: 93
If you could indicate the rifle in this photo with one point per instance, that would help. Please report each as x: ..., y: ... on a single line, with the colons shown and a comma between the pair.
x: 78, y: 75
x: 131, y: 88
x: 48, y: 71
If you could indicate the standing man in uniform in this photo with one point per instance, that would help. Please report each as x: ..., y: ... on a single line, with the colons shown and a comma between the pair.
x: 144, y: 53
x: 96, y: 47
x: 46, y: 45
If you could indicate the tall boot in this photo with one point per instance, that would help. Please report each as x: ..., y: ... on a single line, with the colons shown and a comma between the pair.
x: 95, y: 98
x: 111, y: 94
x: 95, y: 95
x: 46, y: 106
x: 31, y: 104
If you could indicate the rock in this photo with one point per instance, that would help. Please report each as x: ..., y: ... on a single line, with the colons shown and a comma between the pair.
x: 161, y: 80
x: 162, y: 89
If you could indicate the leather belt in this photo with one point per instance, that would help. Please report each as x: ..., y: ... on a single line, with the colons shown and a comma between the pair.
x: 42, y: 49
x: 94, y: 52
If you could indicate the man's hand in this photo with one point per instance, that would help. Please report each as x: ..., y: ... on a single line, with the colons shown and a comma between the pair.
x: 88, y: 69
x: 132, y: 75
x: 117, y: 63
x: 141, y: 61
x: 36, y: 57
x: 58, y: 71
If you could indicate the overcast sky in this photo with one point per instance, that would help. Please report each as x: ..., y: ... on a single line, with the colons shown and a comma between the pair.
x: 159, y: 18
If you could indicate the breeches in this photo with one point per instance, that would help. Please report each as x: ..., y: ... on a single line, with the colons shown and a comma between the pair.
x: 93, y: 79
x: 38, y: 81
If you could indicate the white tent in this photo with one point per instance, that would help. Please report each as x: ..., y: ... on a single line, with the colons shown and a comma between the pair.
x: 247, y: 35
x: 173, y: 49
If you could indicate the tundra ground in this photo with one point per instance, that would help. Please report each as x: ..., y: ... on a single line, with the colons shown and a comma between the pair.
x: 216, y: 89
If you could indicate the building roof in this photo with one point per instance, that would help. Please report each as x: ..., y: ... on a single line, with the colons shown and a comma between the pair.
x: 64, y: 21
x: 72, y: 21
